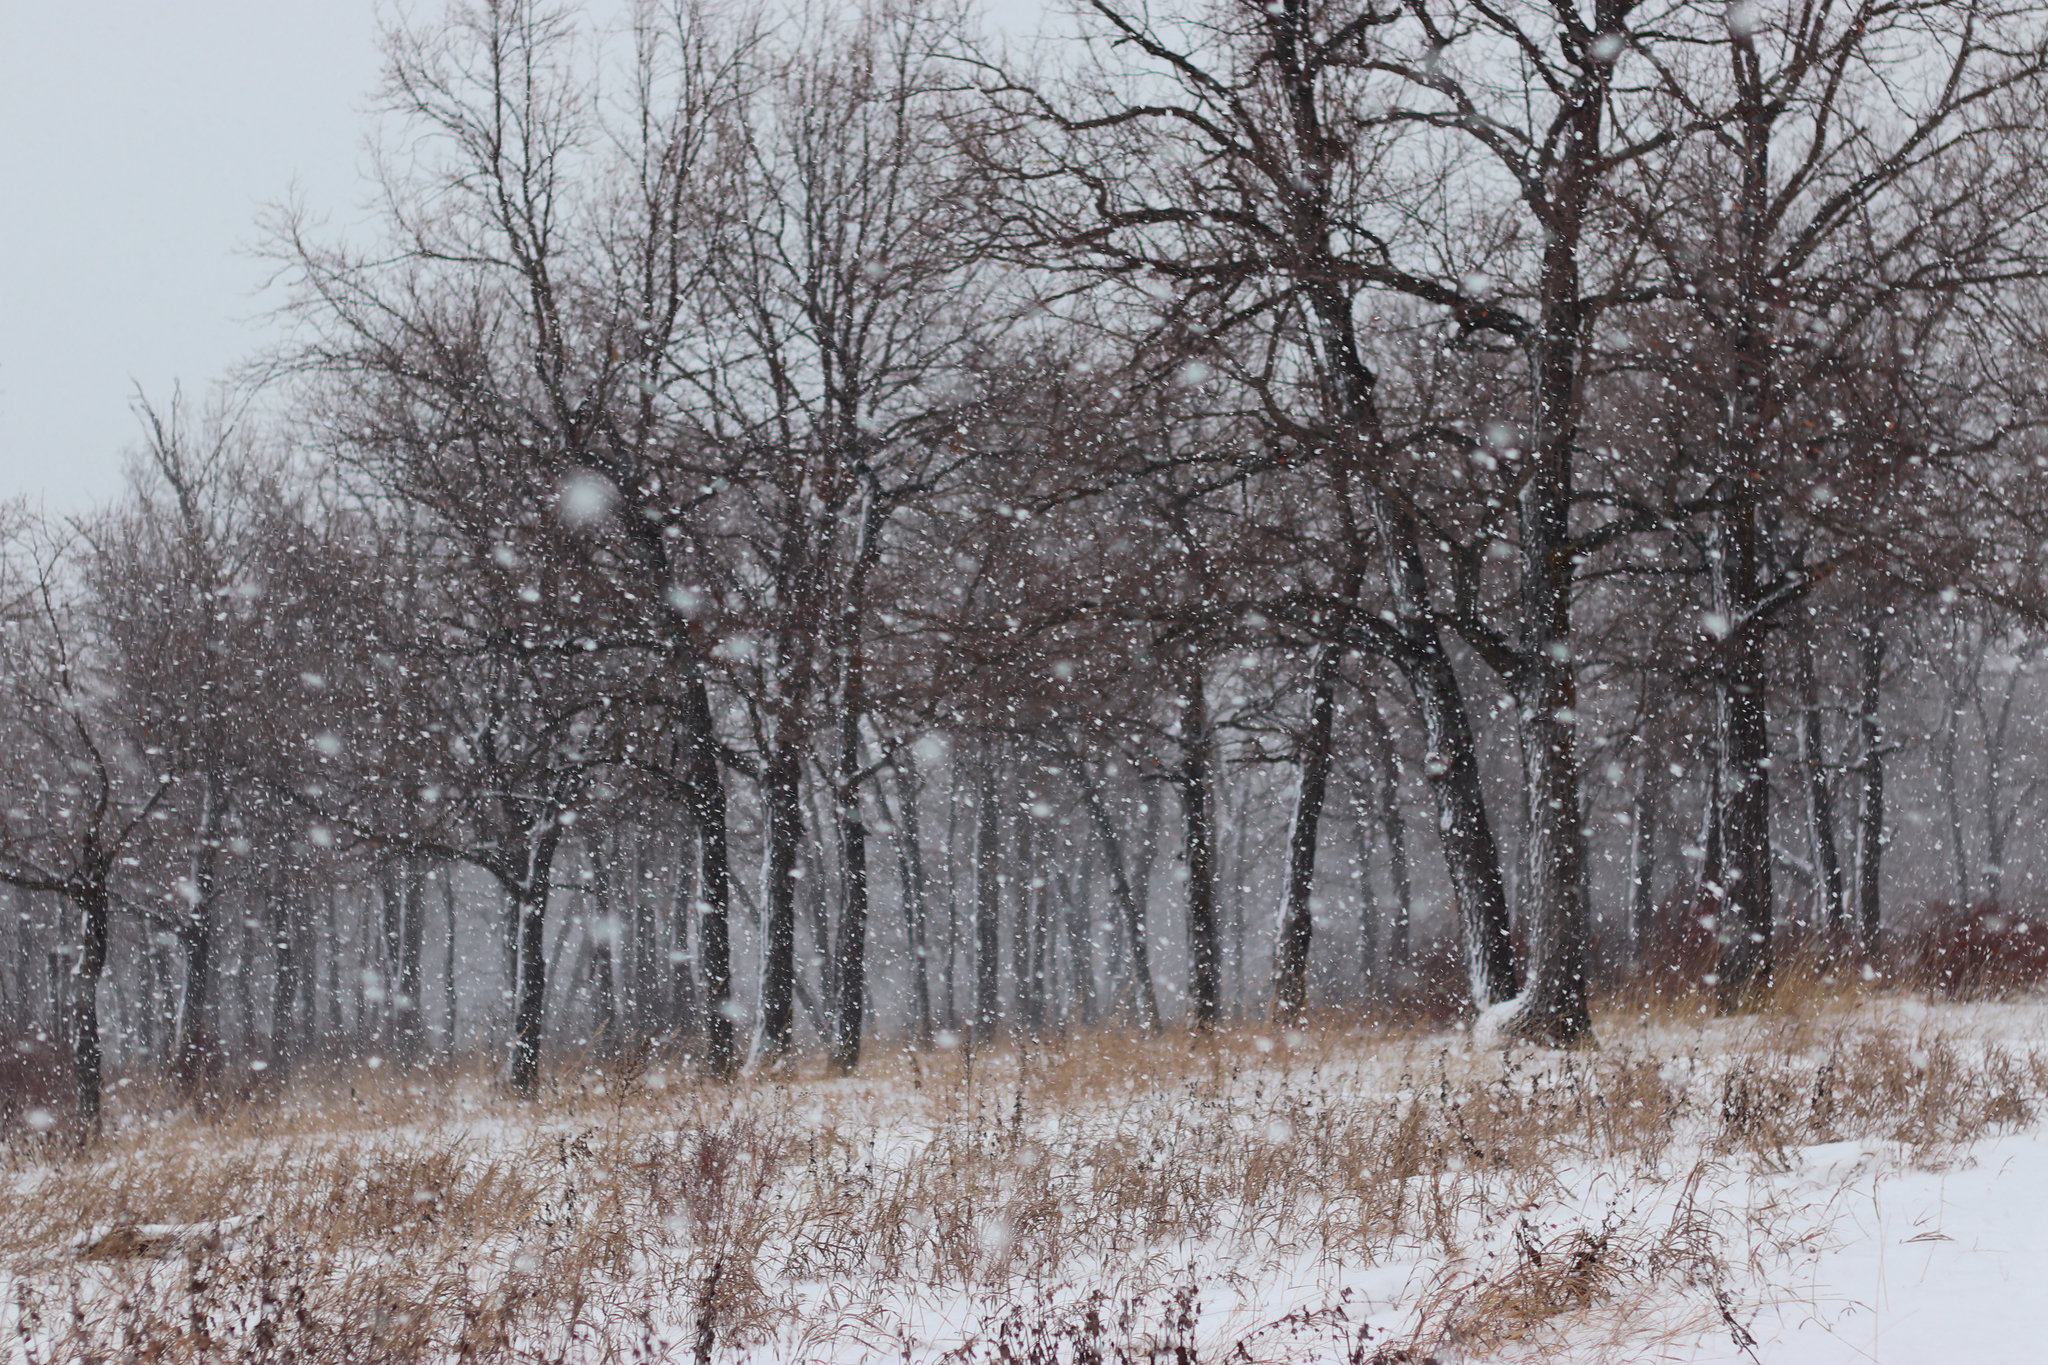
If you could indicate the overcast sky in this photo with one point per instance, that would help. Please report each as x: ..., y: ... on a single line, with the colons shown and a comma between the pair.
x: 139, y: 141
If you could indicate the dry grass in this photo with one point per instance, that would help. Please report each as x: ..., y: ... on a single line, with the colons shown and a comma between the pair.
x: 1101, y: 1198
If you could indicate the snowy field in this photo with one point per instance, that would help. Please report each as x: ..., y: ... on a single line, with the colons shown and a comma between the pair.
x: 1868, y: 1183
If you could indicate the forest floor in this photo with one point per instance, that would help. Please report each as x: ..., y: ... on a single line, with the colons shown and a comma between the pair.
x: 1852, y: 1179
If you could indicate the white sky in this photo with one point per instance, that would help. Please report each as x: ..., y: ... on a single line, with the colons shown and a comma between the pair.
x: 139, y: 141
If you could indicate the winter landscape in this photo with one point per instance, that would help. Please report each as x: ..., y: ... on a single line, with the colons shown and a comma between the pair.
x: 1234, y: 681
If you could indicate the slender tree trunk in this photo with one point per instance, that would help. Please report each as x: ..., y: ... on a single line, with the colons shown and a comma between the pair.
x: 1369, y: 973
x: 1946, y: 783
x: 850, y: 952
x: 196, y: 1053
x: 948, y: 958
x: 706, y: 800
x: 411, y: 1006
x: 604, y: 941
x: 685, y: 1009
x: 1042, y: 933
x: 448, y: 977
x: 785, y: 835
x: 1197, y: 786
x: 1995, y: 822
x: 650, y: 998
x: 245, y: 990
x: 1746, y: 958
x: 1297, y: 917
x: 288, y: 927
x: 910, y: 874
x: 1024, y: 858
x: 987, y: 901
x: 85, y: 1004
x: 1820, y: 813
x: 390, y: 932
x: 1129, y: 903
x: 530, y: 1007
x: 1081, y: 937
x: 1652, y: 781
x: 333, y: 954
x: 1386, y: 766
x: 1870, y: 812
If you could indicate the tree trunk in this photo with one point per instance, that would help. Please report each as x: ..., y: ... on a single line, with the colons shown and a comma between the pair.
x: 1297, y: 917
x: 1742, y: 682
x: 1037, y: 980
x: 1557, y: 922
x: 1128, y: 902
x: 785, y: 834
x: 448, y: 963
x: 1024, y: 860
x: 604, y: 945
x: 1820, y: 813
x: 411, y: 1007
x: 196, y: 1052
x: 1947, y: 785
x: 1198, y: 813
x: 685, y: 1016
x: 705, y: 785
x: 288, y: 930
x: 1393, y: 828
x: 910, y: 875
x: 850, y: 952
x: 1369, y: 973
x: 1651, y: 784
x: 1870, y: 812
x: 1081, y: 938
x: 987, y: 902
x: 530, y: 1005
x: 85, y: 1004
x: 1995, y: 818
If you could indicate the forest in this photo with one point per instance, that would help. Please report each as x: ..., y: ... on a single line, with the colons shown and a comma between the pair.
x: 777, y: 538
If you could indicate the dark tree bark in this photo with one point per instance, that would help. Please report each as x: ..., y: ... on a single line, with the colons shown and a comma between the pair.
x: 1196, y: 782
x: 779, y: 784
x: 1743, y: 751
x: 85, y: 1004
x: 603, y: 931
x: 1820, y: 812
x: 850, y: 952
x: 448, y: 978
x: 408, y: 1005
x: 530, y: 900
x: 1386, y: 774
x: 1129, y: 904
x: 195, y: 1051
x: 1297, y: 920
x: 987, y: 900
x: 1959, y: 681
x: 704, y: 786
x: 1024, y: 865
x: 288, y: 940
x: 1653, y: 780
x: 1081, y: 937
x: 1870, y: 838
x: 910, y: 875
x: 1997, y: 818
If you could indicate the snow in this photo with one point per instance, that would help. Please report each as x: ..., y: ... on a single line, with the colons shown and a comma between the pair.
x: 1917, y: 1265
x: 1866, y: 1249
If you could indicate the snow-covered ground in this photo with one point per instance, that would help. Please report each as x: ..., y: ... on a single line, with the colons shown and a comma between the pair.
x: 1910, y: 1265
x: 1868, y: 1184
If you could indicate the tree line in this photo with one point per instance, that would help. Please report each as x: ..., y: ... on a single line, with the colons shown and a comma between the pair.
x: 813, y: 525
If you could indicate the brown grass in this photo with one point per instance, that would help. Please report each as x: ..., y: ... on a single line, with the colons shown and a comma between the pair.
x: 1102, y: 1197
